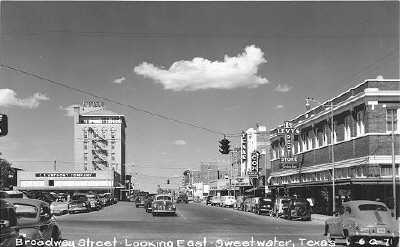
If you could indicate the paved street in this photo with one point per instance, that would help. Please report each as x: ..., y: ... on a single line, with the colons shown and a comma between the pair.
x: 130, y: 225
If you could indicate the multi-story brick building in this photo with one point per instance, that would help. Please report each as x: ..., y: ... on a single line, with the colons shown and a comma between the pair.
x: 99, y: 139
x: 360, y: 156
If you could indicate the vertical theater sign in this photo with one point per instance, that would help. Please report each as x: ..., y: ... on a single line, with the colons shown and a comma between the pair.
x: 255, y: 159
x: 289, y: 161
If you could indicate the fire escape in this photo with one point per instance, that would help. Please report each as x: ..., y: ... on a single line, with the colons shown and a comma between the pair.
x: 99, y: 151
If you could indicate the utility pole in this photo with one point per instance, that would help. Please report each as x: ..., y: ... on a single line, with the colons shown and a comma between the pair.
x: 394, y: 169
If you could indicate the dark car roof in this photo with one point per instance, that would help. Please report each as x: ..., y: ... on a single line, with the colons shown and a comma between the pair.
x: 33, y: 202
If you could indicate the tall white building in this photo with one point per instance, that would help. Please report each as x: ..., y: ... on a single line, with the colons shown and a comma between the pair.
x: 99, y: 138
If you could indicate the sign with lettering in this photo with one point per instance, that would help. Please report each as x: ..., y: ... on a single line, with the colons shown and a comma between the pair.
x: 255, y: 159
x: 64, y: 175
x: 93, y: 104
x: 243, y: 150
x: 288, y: 131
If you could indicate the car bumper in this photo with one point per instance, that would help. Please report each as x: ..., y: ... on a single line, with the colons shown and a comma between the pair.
x: 163, y: 211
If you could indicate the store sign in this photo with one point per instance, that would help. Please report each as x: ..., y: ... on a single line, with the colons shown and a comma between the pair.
x: 240, y: 181
x: 255, y: 159
x: 243, y: 150
x: 288, y: 131
x: 65, y: 175
x: 93, y: 104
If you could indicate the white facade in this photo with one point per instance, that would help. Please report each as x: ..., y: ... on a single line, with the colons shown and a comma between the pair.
x: 256, y: 140
x: 99, y: 139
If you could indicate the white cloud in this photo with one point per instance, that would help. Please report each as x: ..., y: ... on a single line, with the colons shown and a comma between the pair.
x: 8, y: 97
x: 119, y: 80
x: 200, y: 73
x: 180, y: 142
x: 279, y: 106
x: 69, y: 110
x: 283, y: 88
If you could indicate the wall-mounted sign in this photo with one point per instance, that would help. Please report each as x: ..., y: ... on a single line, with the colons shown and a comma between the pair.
x: 65, y: 175
x: 288, y: 131
x: 243, y: 150
x: 255, y: 159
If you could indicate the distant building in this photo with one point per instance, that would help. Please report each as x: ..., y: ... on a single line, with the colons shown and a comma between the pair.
x: 99, y: 138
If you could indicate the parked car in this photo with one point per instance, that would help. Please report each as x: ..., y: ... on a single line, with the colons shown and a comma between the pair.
x: 281, y: 206
x: 163, y: 204
x: 35, y: 220
x: 363, y: 223
x: 79, y: 203
x: 265, y: 206
x: 228, y: 201
x: 239, y: 203
x: 148, y: 204
x: 254, y: 204
x: 182, y: 198
x: 208, y: 200
x: 94, y: 201
x: 59, y: 207
x: 247, y: 204
x: 299, y: 209
x: 8, y: 224
x: 216, y: 201
x: 12, y: 194
x: 139, y: 201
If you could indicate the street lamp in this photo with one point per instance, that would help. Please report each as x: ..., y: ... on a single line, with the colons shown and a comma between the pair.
x: 332, y: 149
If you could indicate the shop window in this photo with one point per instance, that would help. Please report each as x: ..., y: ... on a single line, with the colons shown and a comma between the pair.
x: 386, y: 170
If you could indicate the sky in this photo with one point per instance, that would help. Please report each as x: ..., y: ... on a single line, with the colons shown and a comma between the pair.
x: 225, y: 66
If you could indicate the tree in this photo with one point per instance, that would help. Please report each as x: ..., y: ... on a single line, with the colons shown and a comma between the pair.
x: 5, y: 171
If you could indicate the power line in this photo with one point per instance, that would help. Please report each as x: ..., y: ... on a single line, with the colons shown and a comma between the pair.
x: 64, y: 85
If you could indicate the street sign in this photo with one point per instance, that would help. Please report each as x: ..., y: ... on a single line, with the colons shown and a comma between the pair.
x: 3, y: 124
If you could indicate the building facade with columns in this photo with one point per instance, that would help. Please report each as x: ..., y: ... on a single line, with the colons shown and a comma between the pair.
x: 355, y: 156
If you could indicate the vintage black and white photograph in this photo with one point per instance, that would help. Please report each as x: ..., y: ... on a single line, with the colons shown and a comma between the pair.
x: 199, y: 123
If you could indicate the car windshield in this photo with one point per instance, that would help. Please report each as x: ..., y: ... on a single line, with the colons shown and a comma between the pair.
x: 26, y: 211
x: 372, y: 207
x: 78, y: 198
x: 164, y: 198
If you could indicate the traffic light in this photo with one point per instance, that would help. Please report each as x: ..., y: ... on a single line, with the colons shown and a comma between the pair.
x: 224, y: 147
x: 3, y: 125
x: 167, y: 181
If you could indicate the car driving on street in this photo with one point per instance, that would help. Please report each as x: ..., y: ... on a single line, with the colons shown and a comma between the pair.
x: 265, y: 207
x: 163, y: 204
x: 363, y: 223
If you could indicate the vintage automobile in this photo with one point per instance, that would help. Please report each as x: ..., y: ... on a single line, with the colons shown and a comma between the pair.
x: 363, y: 223
x: 298, y: 209
x: 228, y: 201
x: 35, y: 221
x: 59, y: 207
x: 208, y: 200
x: 247, y: 204
x: 239, y: 203
x: 139, y: 201
x: 265, y: 206
x: 216, y: 201
x: 148, y: 204
x: 8, y: 224
x: 182, y: 198
x: 163, y: 204
x: 79, y: 203
x: 254, y: 204
x: 281, y: 207
x: 94, y: 202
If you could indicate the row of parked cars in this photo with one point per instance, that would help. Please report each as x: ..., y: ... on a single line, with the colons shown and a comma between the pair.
x: 82, y: 202
x: 284, y: 207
